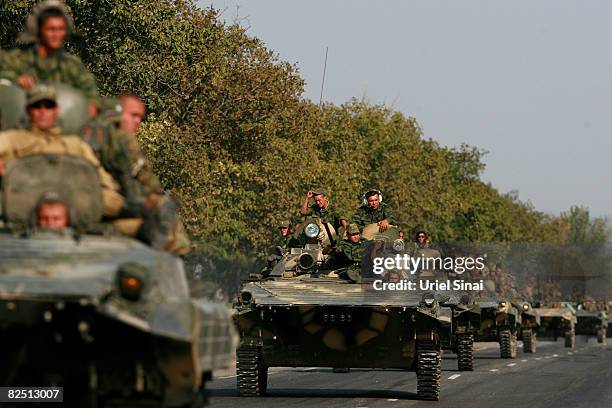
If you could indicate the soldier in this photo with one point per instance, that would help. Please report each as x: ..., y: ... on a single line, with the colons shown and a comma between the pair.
x: 286, y: 235
x: 374, y: 211
x: 421, y: 239
x: 350, y: 253
x: 322, y: 208
x: 43, y: 58
x: 44, y: 136
x: 52, y: 212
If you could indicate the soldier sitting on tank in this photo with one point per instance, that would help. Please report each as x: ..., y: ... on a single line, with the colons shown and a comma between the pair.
x: 323, y: 209
x: 44, y: 136
x: 43, y: 58
x: 349, y: 255
x: 52, y: 212
x: 374, y: 211
x: 421, y: 240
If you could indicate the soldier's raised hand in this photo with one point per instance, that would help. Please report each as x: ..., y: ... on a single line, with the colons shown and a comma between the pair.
x: 26, y: 81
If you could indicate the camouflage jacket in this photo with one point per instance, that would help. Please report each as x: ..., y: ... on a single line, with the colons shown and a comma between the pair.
x: 63, y: 67
x: 329, y: 213
x: 365, y: 215
x: 349, y: 252
x: 140, y: 167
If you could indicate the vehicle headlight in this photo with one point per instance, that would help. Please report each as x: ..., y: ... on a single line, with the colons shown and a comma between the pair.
x: 428, y: 299
x: 525, y: 306
x: 503, y: 303
x: 312, y: 230
x: 131, y: 278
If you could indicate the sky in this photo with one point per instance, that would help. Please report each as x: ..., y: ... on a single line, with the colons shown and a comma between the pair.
x: 528, y: 81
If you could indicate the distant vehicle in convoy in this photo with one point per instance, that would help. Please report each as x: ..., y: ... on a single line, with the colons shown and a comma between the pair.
x: 592, y: 323
x: 305, y: 314
x: 501, y: 323
x: 465, y: 324
x: 558, y: 319
x: 530, y: 322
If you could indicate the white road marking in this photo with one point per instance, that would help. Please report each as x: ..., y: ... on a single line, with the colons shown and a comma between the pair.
x: 511, y: 364
x: 452, y: 377
x: 225, y: 377
x: 555, y: 355
x: 570, y: 353
x: 523, y: 361
x: 311, y: 368
x: 493, y: 370
x: 392, y: 400
x: 538, y: 358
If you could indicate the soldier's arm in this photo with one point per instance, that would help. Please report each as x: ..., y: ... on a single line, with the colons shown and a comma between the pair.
x: 390, y: 217
x: 358, y: 218
x: 7, y: 66
x: 82, y: 78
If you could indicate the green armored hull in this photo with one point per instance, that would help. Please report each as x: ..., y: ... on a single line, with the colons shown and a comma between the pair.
x: 592, y: 323
x: 558, y: 322
x: 500, y: 322
x: 328, y: 322
x: 65, y: 319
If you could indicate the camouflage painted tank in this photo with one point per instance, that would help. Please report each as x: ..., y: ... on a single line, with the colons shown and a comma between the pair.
x: 307, y: 315
x: 558, y: 319
x: 104, y: 316
x: 501, y: 323
x: 592, y: 323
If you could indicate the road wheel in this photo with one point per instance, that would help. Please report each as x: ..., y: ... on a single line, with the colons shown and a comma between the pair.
x: 601, y: 336
x: 465, y: 352
x: 252, y: 373
x: 429, y: 368
x: 570, y: 339
x: 529, y: 341
x: 507, y: 343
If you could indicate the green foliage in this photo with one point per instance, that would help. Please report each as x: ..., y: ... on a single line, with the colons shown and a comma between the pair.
x: 229, y: 133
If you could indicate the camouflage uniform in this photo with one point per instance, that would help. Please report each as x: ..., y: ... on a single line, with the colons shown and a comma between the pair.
x: 140, y: 167
x: 62, y: 67
x: 365, y: 215
x: 328, y: 213
x: 350, y: 254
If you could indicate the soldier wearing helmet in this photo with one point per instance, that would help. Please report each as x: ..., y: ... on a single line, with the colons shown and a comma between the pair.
x: 42, y: 57
x: 374, y: 211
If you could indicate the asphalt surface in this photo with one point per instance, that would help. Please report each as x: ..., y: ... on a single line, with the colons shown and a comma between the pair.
x: 554, y: 376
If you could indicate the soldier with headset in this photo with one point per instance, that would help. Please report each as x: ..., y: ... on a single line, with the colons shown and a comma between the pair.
x: 374, y: 211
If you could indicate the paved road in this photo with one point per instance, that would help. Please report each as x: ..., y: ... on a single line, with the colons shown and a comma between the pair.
x: 553, y: 377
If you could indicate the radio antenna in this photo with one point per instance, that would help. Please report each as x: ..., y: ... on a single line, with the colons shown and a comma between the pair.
x: 323, y: 82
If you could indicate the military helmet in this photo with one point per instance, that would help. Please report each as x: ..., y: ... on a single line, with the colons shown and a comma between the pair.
x: 41, y: 92
x: 29, y: 35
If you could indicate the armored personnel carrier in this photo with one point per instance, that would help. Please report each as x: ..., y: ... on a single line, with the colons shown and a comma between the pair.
x: 530, y: 322
x: 592, y: 323
x: 466, y: 322
x: 104, y: 316
x: 306, y: 313
x: 501, y: 323
x: 558, y: 319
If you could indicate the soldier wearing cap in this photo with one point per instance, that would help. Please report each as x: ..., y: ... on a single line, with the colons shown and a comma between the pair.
x: 43, y: 58
x: 374, y: 211
x: 44, y: 136
x: 322, y: 208
x: 286, y: 236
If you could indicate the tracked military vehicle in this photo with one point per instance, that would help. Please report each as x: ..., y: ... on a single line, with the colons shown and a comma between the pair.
x: 104, y: 316
x: 530, y: 322
x: 466, y: 322
x: 592, y: 323
x: 558, y: 319
x: 501, y: 323
x: 308, y: 314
